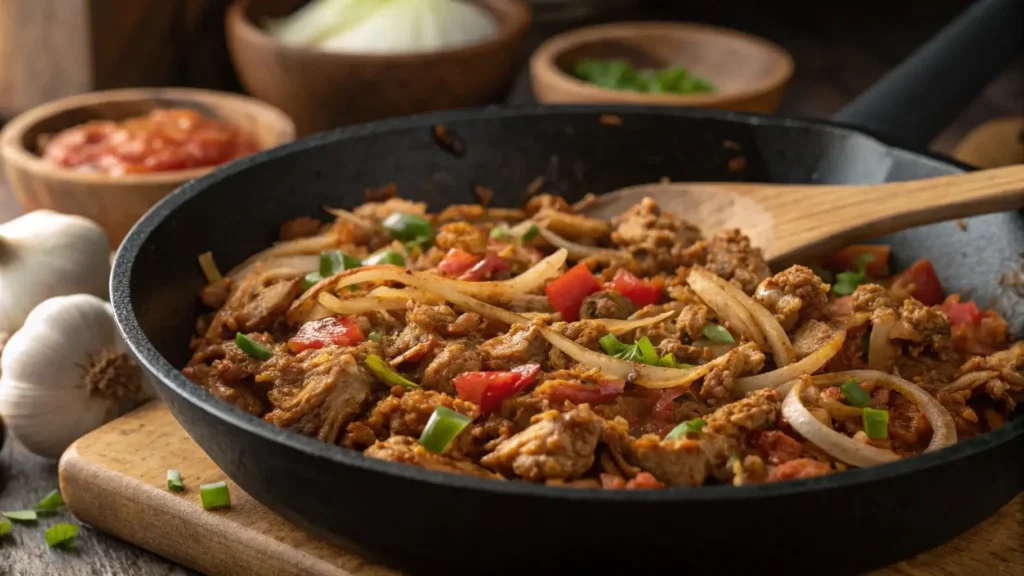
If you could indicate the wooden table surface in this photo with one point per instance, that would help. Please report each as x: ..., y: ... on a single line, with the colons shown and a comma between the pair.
x: 833, y: 65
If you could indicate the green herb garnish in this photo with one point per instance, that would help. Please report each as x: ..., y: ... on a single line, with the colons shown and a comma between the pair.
x: 622, y: 75
x: 61, y: 535
x: 530, y: 233
x: 21, y: 515
x: 444, y: 425
x: 642, y: 351
x: 215, y: 496
x: 409, y: 228
x: 5, y: 528
x: 876, y: 423
x: 847, y: 282
x: 688, y: 427
x: 385, y: 257
x: 251, y: 347
x: 376, y: 336
x: 386, y: 374
x: 174, y: 482
x: 501, y: 233
x: 50, y: 504
x: 716, y: 333
x: 854, y: 394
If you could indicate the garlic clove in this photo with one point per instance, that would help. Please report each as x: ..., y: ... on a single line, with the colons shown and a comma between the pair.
x: 67, y: 372
x: 45, y: 254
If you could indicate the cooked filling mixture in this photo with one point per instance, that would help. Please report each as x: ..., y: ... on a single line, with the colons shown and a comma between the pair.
x: 546, y: 346
x: 164, y: 140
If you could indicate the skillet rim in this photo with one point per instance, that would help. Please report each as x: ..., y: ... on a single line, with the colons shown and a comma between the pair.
x: 175, y: 382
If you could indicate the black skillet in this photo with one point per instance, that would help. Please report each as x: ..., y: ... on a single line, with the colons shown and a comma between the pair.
x: 427, y: 522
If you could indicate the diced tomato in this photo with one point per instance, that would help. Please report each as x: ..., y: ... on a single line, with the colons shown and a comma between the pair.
x: 639, y: 292
x: 961, y: 312
x: 644, y: 481
x: 489, y: 265
x: 798, y: 469
x: 566, y: 293
x: 779, y: 446
x: 489, y: 389
x: 846, y: 259
x: 927, y: 288
x: 580, y: 393
x: 666, y: 402
x: 340, y: 330
x: 457, y: 261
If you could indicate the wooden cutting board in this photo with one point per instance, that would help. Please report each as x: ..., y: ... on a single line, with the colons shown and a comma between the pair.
x: 115, y: 479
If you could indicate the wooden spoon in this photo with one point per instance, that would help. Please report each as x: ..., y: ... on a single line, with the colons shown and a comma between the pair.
x: 795, y: 222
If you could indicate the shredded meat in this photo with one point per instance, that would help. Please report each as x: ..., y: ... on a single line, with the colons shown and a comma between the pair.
x: 303, y: 227
x: 406, y: 412
x: 757, y: 411
x: 811, y: 336
x: 521, y: 345
x: 692, y: 320
x: 547, y: 202
x: 454, y: 359
x: 408, y: 451
x: 316, y: 392
x: 731, y: 256
x: 606, y: 304
x: 656, y: 240
x: 462, y: 235
x: 675, y: 462
x: 744, y: 359
x: 929, y: 326
x: 870, y: 297
x: 795, y: 294
x: 556, y: 445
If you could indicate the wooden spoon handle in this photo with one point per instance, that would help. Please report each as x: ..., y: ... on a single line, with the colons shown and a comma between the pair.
x: 817, y: 219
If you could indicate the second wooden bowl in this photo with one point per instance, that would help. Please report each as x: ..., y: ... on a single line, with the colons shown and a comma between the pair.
x: 323, y: 90
x: 117, y: 202
x: 749, y: 73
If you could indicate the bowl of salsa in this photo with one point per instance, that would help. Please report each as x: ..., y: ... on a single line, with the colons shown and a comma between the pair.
x: 111, y: 155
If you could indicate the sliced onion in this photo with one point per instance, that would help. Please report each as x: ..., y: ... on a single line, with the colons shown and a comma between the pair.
x: 970, y: 381
x: 359, y: 305
x: 406, y: 295
x: 347, y: 217
x: 209, y: 267
x: 880, y: 351
x: 313, y: 245
x: 809, y: 365
x: 619, y: 327
x: 725, y: 306
x: 774, y: 333
x: 943, y: 427
x: 576, y: 250
x: 654, y: 377
x: 528, y: 281
x: 837, y: 445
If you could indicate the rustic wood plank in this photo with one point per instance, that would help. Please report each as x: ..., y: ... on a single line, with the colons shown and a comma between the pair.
x: 113, y: 480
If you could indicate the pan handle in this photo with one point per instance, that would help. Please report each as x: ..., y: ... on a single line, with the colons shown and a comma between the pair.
x: 921, y: 96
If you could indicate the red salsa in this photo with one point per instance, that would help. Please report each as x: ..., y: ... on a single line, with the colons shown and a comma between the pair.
x: 164, y: 140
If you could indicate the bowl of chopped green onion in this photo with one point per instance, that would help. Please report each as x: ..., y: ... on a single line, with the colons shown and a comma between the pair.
x: 662, y: 63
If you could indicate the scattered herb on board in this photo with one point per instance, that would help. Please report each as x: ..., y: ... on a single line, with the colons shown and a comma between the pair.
x: 215, y: 496
x: 62, y: 535
x: 50, y: 504
x: 174, y: 482
x: 622, y: 75
x: 21, y: 515
x: 5, y: 527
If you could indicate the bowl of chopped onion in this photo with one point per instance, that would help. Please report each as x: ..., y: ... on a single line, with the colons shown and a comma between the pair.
x: 330, y: 63
x: 661, y: 63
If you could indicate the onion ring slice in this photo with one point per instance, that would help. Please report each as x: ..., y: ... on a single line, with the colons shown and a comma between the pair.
x: 837, y: 445
x: 725, y: 306
x: 808, y: 365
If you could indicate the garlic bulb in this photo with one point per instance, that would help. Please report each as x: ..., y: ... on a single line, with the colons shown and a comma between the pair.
x: 45, y: 254
x: 66, y: 372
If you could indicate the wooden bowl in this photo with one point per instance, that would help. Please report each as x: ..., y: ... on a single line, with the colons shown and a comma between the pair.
x: 749, y: 73
x: 323, y: 90
x: 116, y: 202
